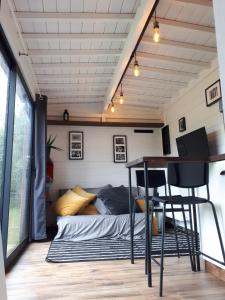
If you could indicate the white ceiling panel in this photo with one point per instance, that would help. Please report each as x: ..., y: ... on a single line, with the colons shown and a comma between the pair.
x: 168, y: 68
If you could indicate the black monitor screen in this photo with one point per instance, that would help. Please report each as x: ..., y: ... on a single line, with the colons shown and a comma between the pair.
x: 194, y: 145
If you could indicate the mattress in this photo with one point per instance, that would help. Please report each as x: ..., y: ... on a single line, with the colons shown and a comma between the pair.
x: 81, y: 228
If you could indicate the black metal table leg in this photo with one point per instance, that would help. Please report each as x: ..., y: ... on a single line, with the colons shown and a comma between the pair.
x: 148, y: 266
x: 131, y: 219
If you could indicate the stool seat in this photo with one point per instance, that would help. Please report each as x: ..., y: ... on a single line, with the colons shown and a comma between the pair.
x: 180, y: 200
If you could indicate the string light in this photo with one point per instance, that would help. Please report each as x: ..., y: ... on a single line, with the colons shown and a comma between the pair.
x: 112, y: 108
x: 136, y: 69
x: 156, y: 32
x: 121, y: 95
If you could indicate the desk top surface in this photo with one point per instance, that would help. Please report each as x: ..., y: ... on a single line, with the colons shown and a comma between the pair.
x: 157, y: 161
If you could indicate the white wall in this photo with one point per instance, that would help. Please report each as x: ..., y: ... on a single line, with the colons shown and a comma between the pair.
x: 193, y: 107
x: 98, y: 168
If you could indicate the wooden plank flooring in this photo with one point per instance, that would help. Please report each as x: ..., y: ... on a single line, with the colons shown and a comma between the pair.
x: 33, y: 278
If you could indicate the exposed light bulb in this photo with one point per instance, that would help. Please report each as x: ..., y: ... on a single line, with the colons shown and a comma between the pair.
x: 121, y: 98
x: 156, y: 32
x: 112, y: 108
x: 136, y: 69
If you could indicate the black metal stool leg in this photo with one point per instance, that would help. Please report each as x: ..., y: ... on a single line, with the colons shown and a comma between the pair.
x: 218, y: 230
x: 187, y: 235
x: 192, y: 239
x: 150, y: 244
x: 131, y: 221
x: 197, y: 254
x: 162, y: 252
x: 175, y: 232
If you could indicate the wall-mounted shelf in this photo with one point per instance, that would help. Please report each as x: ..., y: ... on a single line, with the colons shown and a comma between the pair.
x: 105, y: 124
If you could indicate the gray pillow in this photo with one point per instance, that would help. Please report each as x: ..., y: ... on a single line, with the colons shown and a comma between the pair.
x: 115, y: 200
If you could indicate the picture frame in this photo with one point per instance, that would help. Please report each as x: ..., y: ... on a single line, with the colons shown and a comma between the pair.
x: 213, y: 93
x: 182, y: 124
x: 76, y: 145
x: 120, y: 148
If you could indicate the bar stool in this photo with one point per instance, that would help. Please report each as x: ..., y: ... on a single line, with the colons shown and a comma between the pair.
x: 186, y: 176
x: 156, y: 179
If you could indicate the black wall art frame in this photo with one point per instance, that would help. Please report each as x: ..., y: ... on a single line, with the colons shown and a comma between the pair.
x: 120, y: 148
x: 213, y: 93
x: 76, y: 145
x: 182, y: 124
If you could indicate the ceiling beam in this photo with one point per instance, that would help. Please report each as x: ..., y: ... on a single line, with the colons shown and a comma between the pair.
x: 74, y: 52
x: 151, y: 106
x: 144, y: 10
x: 185, y: 25
x: 145, y: 98
x: 128, y: 85
x: 146, y: 55
x: 140, y: 93
x: 75, y: 36
x: 148, y: 40
x: 73, y: 16
x: 77, y: 85
x: 73, y: 65
x: 70, y: 86
x: 72, y: 76
x: 207, y: 3
x: 169, y: 72
x: 85, y: 93
x: 70, y: 98
x: 146, y: 83
x: 157, y: 81
x: 133, y: 91
x: 66, y: 101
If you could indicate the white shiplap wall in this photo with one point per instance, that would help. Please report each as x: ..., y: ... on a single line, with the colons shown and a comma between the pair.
x: 98, y: 168
x: 192, y: 106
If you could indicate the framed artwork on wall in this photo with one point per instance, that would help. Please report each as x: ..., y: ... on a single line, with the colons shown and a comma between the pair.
x: 213, y: 93
x: 76, y: 146
x: 120, y: 148
x: 182, y: 124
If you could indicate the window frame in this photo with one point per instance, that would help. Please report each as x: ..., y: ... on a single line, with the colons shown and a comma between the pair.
x: 8, y: 150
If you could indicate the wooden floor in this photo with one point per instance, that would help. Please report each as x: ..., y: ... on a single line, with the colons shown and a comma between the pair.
x: 33, y: 278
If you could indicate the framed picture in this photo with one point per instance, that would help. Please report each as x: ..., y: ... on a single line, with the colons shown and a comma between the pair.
x: 120, y: 148
x: 76, y: 145
x: 213, y: 93
x: 182, y: 124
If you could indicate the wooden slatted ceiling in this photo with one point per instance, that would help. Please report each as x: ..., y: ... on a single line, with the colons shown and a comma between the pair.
x: 75, y: 46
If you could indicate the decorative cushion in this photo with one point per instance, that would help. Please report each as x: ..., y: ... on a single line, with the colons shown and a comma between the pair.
x: 78, y: 189
x: 100, y: 206
x: 70, y: 203
x: 141, y: 204
x: 116, y: 200
x: 88, y: 210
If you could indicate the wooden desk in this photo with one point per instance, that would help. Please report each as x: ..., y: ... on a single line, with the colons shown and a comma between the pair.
x: 152, y: 162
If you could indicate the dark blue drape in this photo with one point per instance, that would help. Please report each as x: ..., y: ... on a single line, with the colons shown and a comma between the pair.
x: 39, y: 195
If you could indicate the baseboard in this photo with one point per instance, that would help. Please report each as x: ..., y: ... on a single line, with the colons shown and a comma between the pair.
x: 215, y: 270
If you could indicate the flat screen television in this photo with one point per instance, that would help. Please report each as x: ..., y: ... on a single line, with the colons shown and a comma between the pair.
x: 166, y: 140
x: 194, y: 145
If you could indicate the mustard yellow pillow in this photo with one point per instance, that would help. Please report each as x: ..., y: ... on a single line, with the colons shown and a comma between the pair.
x: 78, y: 189
x: 155, y: 229
x: 88, y: 210
x: 69, y: 204
x: 141, y: 204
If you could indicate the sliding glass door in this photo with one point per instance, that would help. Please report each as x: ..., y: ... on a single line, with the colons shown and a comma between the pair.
x: 16, y: 127
x: 21, y: 170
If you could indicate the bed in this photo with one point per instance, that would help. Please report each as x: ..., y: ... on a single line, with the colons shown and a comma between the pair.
x: 81, y: 228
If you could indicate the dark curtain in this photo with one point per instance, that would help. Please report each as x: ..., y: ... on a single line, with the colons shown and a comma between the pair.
x: 38, y: 206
